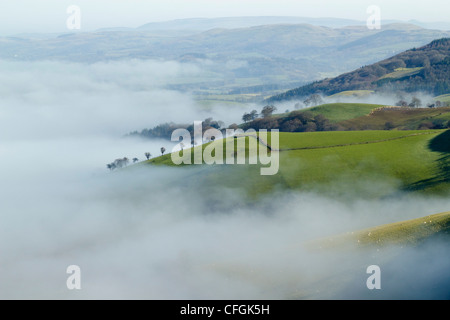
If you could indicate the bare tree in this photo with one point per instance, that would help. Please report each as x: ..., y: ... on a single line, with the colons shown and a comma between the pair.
x: 401, y: 103
x: 313, y: 100
x: 415, y: 103
x: 247, y: 117
x: 267, y: 111
x: 118, y: 163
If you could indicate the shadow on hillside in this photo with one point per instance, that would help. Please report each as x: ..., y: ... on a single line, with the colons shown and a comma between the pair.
x: 440, y: 144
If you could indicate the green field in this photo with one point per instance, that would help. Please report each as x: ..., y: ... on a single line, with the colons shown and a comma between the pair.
x: 410, y: 232
x: 361, y: 116
x: 407, y: 118
x: 293, y: 140
x: 444, y: 98
x: 402, y: 72
x: 336, y: 112
x: 370, y: 164
x: 407, y: 164
x: 352, y: 93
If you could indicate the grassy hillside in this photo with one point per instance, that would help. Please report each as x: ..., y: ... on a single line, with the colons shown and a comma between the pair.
x: 337, y: 112
x: 352, y: 93
x: 406, y: 164
x: 400, y: 118
x: 310, y: 140
x: 343, y: 164
x: 355, y: 116
x: 443, y: 98
x: 401, y: 72
x: 410, y: 232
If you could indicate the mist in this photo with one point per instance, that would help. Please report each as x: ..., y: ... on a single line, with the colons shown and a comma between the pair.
x: 140, y: 234
x: 389, y: 99
x: 146, y: 232
x: 383, y: 98
x: 54, y: 99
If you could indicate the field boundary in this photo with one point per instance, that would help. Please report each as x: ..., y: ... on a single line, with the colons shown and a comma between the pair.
x: 264, y: 143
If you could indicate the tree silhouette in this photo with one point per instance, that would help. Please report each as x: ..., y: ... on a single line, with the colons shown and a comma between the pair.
x: 313, y: 100
x: 401, y: 103
x: 415, y: 103
x: 267, y: 111
x: 163, y: 150
x: 247, y: 117
x: 148, y: 155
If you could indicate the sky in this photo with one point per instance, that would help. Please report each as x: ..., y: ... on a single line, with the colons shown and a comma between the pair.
x: 17, y: 16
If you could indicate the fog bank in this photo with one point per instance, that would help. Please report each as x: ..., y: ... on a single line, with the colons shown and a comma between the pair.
x: 144, y: 233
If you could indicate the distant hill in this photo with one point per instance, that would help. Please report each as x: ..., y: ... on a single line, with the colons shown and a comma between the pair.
x: 204, y: 24
x: 239, y: 60
x: 278, y: 44
x: 424, y: 69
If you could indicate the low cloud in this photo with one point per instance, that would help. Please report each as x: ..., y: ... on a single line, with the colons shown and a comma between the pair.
x: 388, y: 99
x: 146, y: 232
x: 51, y: 99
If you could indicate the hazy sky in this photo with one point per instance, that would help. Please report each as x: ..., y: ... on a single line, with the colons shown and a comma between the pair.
x: 50, y: 15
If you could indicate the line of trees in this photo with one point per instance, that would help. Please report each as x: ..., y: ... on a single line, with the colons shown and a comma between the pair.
x: 434, y: 124
x: 123, y: 162
x: 266, y: 112
x: 118, y: 163
x: 294, y: 122
x: 417, y: 103
x: 164, y: 131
